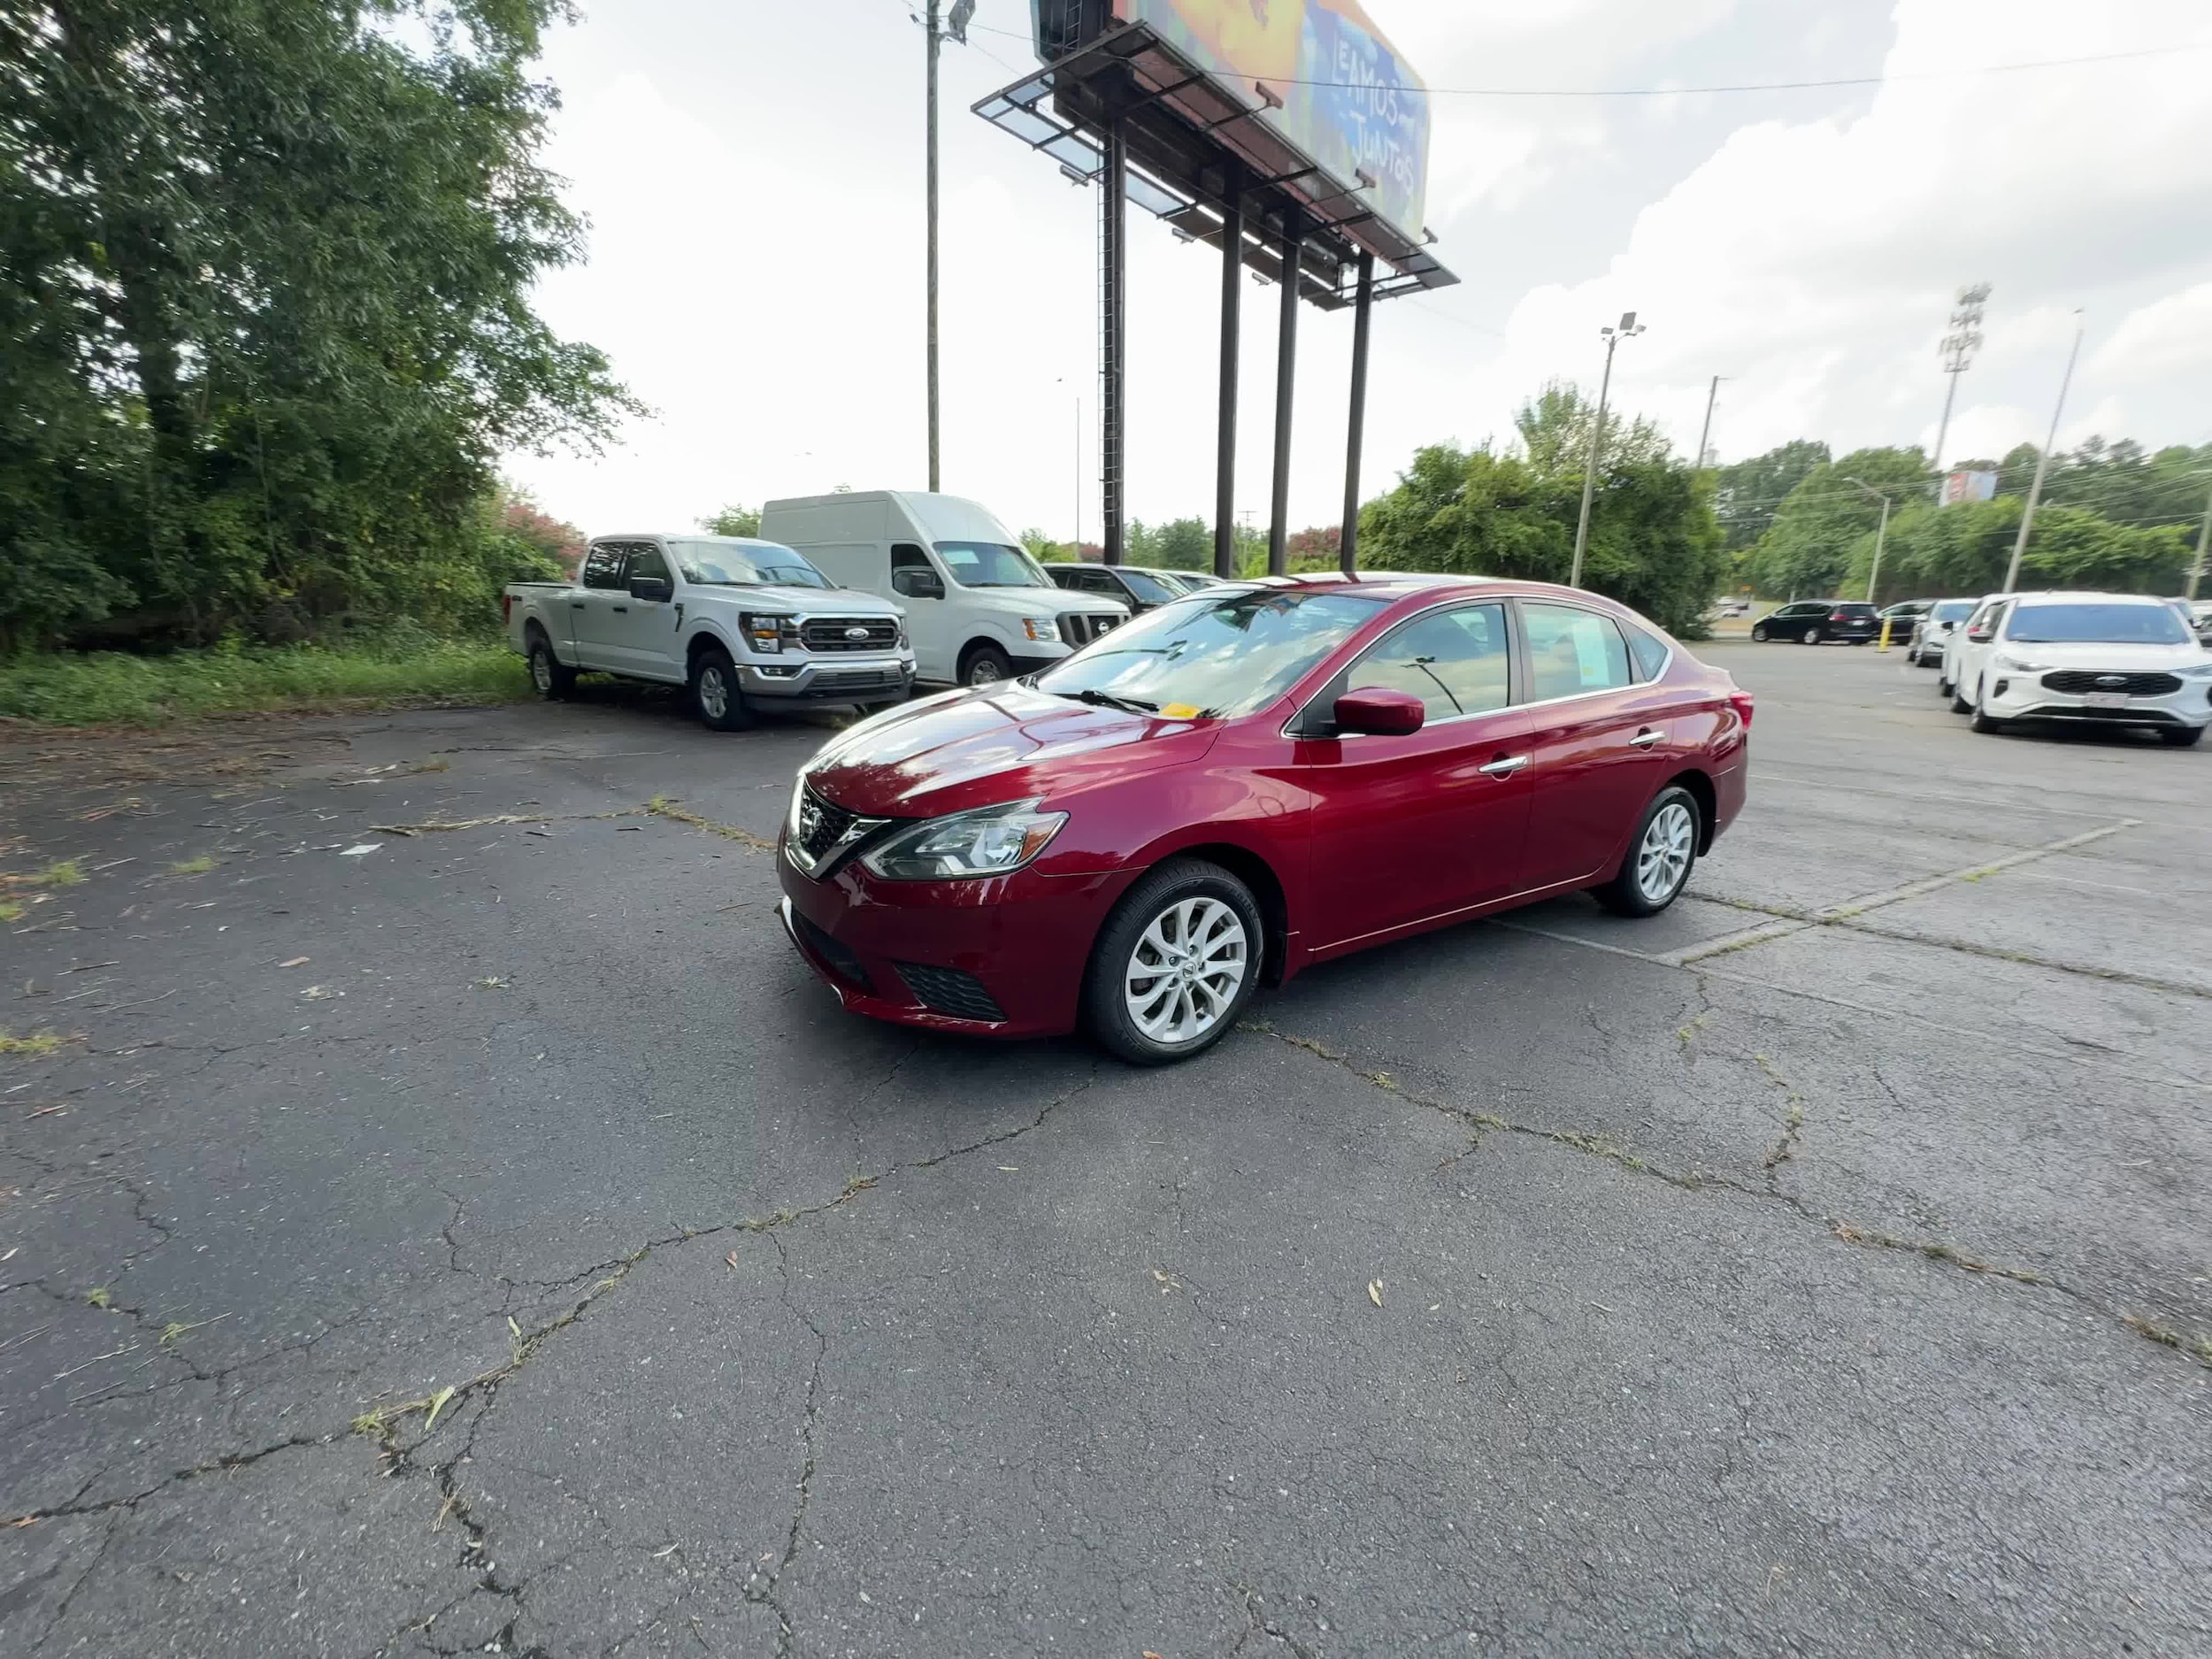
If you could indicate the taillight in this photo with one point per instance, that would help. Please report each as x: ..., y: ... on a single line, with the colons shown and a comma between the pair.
x: 506, y: 607
x: 1838, y: 615
x: 1740, y: 701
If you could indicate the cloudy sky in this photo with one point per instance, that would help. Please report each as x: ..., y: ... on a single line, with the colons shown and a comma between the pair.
x: 753, y: 176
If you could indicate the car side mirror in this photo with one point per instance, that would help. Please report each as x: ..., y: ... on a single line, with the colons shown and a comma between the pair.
x: 915, y: 584
x: 655, y: 589
x: 1981, y: 636
x: 1376, y: 713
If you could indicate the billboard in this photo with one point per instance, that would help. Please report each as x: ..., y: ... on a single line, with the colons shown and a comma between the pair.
x: 1347, y: 99
x: 1970, y: 485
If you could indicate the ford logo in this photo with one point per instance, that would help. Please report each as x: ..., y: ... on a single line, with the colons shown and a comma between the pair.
x: 855, y: 634
x: 2112, y: 680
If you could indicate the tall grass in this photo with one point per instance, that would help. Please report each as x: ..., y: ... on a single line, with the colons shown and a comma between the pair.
x: 99, y: 687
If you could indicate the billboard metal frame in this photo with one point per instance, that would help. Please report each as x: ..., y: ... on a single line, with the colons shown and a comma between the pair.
x: 1194, y: 149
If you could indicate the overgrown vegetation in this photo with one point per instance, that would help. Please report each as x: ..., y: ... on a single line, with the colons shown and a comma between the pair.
x: 265, y: 319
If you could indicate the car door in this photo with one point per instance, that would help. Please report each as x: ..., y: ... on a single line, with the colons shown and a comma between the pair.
x: 932, y: 621
x: 1602, y: 743
x: 591, y: 605
x: 1408, y: 829
x: 642, y: 633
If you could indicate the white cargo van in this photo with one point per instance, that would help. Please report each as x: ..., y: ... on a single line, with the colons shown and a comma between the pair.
x: 979, y: 609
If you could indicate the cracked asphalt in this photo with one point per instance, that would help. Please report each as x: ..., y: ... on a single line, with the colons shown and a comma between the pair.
x: 495, y: 1240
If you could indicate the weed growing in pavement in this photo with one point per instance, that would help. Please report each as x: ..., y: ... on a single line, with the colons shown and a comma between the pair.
x: 63, y: 873
x: 41, y: 1043
x: 198, y: 866
x: 10, y: 911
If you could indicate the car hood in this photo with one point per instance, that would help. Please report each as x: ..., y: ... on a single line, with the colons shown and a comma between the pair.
x: 988, y: 745
x: 2135, y: 660
x: 812, y: 601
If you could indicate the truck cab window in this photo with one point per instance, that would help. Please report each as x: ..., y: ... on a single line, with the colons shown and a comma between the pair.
x: 603, y: 568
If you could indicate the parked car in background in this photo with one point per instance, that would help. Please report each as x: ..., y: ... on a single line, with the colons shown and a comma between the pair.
x: 1191, y: 581
x: 977, y: 608
x: 1731, y: 605
x: 745, y: 624
x: 1268, y: 775
x: 1819, y: 621
x: 1955, y: 645
x: 1137, y: 588
x: 1934, y: 627
x: 1901, y: 617
x: 2115, y: 659
x: 2198, y: 614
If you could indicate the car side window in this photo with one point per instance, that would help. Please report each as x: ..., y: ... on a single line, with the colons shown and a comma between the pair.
x: 1455, y: 661
x: 906, y: 556
x: 1649, y: 652
x: 1572, y: 651
x: 645, y: 560
x: 603, y: 566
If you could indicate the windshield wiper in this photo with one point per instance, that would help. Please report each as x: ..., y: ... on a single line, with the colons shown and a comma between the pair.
x: 1107, y: 700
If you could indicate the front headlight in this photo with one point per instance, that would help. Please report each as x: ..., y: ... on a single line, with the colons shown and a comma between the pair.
x: 2202, y: 670
x: 904, y: 643
x: 764, y: 632
x: 2020, y: 665
x: 992, y: 841
x: 1044, y: 630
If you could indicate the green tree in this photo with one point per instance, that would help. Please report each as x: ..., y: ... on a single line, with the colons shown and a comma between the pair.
x: 1555, y: 432
x: 1966, y: 550
x: 735, y: 519
x: 1748, y: 492
x: 1808, y: 549
x: 1041, y: 546
x: 1184, y: 544
x: 264, y: 309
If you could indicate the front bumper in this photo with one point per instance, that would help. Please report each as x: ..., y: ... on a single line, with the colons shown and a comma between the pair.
x: 2025, y: 697
x: 840, y: 679
x: 1022, y: 941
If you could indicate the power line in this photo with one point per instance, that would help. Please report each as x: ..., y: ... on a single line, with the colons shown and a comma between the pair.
x: 1753, y: 86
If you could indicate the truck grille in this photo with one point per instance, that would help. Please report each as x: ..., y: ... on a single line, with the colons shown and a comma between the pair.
x: 1080, y: 628
x: 2078, y: 681
x: 825, y: 635
x: 949, y: 991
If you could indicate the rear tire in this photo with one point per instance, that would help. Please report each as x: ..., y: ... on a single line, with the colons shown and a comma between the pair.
x: 1175, y: 965
x: 2181, y: 736
x: 553, y: 679
x: 1759, y: 633
x: 985, y: 666
x: 715, y: 692
x: 1661, y: 854
x: 1813, y: 635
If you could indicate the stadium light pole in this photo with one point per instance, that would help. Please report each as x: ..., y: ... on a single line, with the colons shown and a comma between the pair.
x: 1628, y: 328
x: 1704, y: 438
x: 2204, y: 536
x: 1957, y: 349
x: 1881, y: 536
x: 2043, y: 464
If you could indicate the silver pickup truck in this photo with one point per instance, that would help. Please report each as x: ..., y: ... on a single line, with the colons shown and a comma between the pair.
x: 745, y: 624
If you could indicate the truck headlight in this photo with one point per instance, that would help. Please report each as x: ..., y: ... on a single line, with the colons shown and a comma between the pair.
x: 1044, y: 630
x: 992, y: 841
x: 763, y: 631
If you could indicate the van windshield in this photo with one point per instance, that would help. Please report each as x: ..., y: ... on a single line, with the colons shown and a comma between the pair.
x: 744, y: 564
x: 990, y: 565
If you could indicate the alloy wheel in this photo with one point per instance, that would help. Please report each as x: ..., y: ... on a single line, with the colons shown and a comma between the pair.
x: 1662, y: 858
x: 541, y: 669
x: 1183, y: 977
x: 714, y: 692
x: 984, y: 672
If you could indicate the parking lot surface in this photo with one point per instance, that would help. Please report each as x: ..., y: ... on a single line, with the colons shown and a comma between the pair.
x: 440, y: 1213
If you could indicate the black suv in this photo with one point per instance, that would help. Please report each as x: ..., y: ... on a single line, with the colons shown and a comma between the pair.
x: 1818, y: 621
x: 1139, y: 588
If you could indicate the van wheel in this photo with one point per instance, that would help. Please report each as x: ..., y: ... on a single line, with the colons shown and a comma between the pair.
x: 1759, y: 633
x: 1661, y: 856
x: 1175, y: 965
x: 548, y: 674
x: 1813, y: 635
x: 985, y: 666
x: 714, y: 694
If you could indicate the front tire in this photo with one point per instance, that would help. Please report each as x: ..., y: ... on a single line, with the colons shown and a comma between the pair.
x: 1661, y: 856
x: 1759, y: 634
x: 985, y: 666
x: 1812, y: 636
x: 2181, y: 736
x: 715, y: 692
x: 1959, y: 704
x: 552, y: 679
x: 1175, y: 965
x: 1985, y: 722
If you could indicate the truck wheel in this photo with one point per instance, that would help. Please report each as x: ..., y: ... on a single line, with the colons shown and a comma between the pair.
x: 549, y: 673
x: 985, y: 666
x: 714, y: 694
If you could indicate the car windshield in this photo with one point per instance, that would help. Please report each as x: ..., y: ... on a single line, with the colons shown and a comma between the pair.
x: 1952, y: 610
x: 747, y: 564
x: 1222, y: 655
x: 2098, y: 625
x: 991, y: 565
x: 1148, y: 588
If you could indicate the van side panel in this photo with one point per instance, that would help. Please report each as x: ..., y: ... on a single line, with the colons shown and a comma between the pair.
x: 810, y: 521
x: 951, y: 518
x: 865, y: 565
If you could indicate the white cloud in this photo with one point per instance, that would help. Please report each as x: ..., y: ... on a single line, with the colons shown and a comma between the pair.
x: 2168, y: 338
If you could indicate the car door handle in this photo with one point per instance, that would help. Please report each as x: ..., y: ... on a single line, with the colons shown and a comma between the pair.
x: 1645, y: 739
x: 1504, y: 766
x: 575, y: 604
x: 622, y: 610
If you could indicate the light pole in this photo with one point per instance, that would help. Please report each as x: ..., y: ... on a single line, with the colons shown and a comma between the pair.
x: 961, y: 11
x: 2043, y: 463
x: 1628, y: 328
x: 1958, y: 348
x: 1881, y: 536
x: 1705, y: 436
x: 2204, y: 536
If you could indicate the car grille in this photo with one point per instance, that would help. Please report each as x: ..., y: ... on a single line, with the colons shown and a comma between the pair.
x: 949, y: 991
x: 823, y: 635
x: 822, y: 826
x: 1080, y: 628
x: 2078, y: 681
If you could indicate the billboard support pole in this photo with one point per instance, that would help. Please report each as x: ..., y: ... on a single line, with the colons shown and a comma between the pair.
x: 1113, y: 328
x: 1285, y: 383
x: 1231, y: 337
x: 1356, y: 430
x: 931, y: 25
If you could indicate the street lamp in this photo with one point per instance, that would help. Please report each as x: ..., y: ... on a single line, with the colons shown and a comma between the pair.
x: 1880, y: 536
x: 1628, y: 328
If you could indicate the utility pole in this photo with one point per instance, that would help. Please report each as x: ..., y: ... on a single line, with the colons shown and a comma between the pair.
x: 1957, y: 349
x: 2043, y: 464
x: 1628, y: 328
x: 1704, y: 437
x: 961, y: 11
x: 2204, y: 536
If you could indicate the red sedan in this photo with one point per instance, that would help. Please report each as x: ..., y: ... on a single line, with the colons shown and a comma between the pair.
x: 1244, y: 782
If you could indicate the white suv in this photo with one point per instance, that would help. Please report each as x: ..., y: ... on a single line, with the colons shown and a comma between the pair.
x: 2119, y: 659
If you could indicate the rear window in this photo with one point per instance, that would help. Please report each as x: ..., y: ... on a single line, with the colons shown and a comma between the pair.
x: 2098, y: 625
x: 1855, y: 610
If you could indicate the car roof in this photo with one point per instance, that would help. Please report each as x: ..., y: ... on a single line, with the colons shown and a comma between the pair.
x: 2061, y: 597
